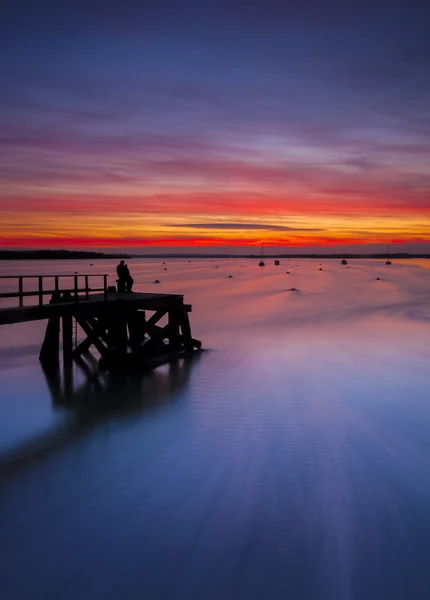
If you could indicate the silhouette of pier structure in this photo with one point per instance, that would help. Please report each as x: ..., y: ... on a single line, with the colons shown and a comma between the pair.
x: 127, y: 329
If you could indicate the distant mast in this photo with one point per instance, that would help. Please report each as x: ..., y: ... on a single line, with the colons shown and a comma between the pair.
x: 388, y: 261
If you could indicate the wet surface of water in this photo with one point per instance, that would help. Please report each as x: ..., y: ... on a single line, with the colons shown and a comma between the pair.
x: 290, y: 460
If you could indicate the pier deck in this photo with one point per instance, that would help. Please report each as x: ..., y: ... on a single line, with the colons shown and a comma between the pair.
x: 91, y: 305
x: 117, y: 324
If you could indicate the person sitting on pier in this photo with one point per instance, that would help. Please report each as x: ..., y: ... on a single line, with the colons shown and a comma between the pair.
x: 125, y: 280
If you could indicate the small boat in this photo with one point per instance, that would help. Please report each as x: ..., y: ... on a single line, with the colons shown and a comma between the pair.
x: 344, y: 261
x: 276, y: 262
x: 261, y: 263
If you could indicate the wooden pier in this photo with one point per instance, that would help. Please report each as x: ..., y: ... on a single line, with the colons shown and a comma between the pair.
x: 127, y: 329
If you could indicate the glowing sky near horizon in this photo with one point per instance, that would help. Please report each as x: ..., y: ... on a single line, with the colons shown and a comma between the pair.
x: 144, y: 124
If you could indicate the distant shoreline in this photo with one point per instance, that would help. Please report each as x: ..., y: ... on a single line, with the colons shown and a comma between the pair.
x: 81, y: 254
x: 56, y: 255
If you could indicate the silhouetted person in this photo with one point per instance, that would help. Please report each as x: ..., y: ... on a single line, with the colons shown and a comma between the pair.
x: 125, y: 281
x: 128, y: 279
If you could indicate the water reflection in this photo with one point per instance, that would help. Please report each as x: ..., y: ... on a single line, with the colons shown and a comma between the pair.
x: 292, y: 463
x: 92, y: 398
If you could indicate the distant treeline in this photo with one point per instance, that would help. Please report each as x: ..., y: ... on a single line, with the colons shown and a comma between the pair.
x: 55, y: 255
x: 76, y: 254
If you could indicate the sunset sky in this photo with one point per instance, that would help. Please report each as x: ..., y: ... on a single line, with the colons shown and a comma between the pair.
x: 145, y: 125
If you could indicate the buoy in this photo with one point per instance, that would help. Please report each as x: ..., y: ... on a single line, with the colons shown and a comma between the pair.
x: 276, y: 262
x: 157, y: 281
x: 261, y: 263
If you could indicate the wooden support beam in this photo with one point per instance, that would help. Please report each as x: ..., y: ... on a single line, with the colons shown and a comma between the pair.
x: 186, y: 332
x: 158, y: 333
x: 159, y: 314
x: 75, y: 287
x: 95, y: 339
x: 98, y: 327
x: 148, y: 326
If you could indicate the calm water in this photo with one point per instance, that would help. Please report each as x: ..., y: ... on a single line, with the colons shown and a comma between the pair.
x: 290, y: 460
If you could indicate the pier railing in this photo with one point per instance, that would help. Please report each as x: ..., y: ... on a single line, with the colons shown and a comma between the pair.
x: 79, y: 284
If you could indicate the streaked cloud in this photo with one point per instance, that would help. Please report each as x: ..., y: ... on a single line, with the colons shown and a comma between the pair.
x: 246, y: 226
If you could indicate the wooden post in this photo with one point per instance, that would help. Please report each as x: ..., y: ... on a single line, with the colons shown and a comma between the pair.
x: 67, y: 337
x: 135, y: 330
x: 75, y: 279
x: 20, y: 290
x: 105, y: 286
x: 186, y: 331
x: 86, y: 287
x: 117, y: 334
x: 40, y: 291
x: 121, y: 336
x: 56, y: 283
x: 174, y: 318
